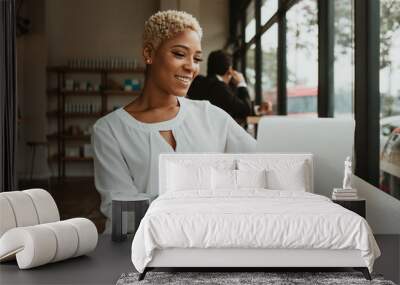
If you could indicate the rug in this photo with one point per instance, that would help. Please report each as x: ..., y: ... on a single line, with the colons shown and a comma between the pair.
x: 243, y: 278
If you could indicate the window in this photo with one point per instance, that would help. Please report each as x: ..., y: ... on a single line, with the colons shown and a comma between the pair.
x: 236, y: 45
x: 344, y: 58
x: 302, y: 58
x: 251, y: 70
x: 390, y: 97
x: 268, y: 9
x: 250, y: 29
x: 269, y: 46
x: 237, y: 64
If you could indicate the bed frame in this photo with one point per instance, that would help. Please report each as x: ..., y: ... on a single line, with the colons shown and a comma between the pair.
x: 240, y: 259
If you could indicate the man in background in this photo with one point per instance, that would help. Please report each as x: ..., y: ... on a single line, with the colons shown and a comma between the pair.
x: 223, y: 87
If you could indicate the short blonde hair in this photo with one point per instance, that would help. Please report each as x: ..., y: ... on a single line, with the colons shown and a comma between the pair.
x: 165, y: 24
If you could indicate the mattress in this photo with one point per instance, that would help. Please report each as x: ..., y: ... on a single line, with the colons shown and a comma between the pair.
x: 250, y: 218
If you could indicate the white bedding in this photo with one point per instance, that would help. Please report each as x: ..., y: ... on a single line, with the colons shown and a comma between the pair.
x: 251, y: 218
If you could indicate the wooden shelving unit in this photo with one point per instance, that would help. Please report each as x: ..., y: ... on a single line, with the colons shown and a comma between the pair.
x: 55, y: 158
x: 68, y: 137
x: 61, y: 137
x: 75, y: 114
x: 80, y: 93
x: 121, y: 93
x: 94, y: 93
x: 67, y: 69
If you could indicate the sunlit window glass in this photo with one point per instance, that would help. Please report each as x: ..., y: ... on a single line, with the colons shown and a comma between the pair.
x: 390, y: 96
x: 302, y: 58
x: 250, y: 29
x: 344, y: 58
x: 269, y: 45
x: 250, y: 70
x: 268, y: 9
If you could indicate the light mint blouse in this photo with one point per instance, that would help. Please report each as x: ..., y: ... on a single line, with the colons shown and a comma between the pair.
x: 126, y: 150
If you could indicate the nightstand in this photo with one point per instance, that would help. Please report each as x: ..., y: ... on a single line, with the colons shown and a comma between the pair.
x: 357, y: 205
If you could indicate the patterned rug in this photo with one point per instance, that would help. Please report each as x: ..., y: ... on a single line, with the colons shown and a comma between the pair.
x: 243, y: 278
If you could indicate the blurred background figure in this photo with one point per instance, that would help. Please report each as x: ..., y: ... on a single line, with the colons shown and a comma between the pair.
x: 223, y: 87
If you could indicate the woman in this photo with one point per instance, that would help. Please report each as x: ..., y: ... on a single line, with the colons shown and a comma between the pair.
x: 127, y: 142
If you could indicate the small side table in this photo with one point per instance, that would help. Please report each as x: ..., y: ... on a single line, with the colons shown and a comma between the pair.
x: 120, y: 209
x: 357, y: 205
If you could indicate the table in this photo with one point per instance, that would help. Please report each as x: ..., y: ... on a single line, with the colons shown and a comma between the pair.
x: 357, y: 206
x: 104, y: 265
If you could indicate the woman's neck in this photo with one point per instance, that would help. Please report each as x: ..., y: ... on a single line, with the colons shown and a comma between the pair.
x: 154, y: 98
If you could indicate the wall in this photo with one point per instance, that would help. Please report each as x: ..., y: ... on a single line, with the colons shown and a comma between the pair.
x: 95, y: 28
x: 383, y: 210
x: 31, y: 84
x: 116, y: 26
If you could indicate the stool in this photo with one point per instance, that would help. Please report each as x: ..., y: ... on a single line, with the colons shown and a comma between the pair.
x: 120, y: 209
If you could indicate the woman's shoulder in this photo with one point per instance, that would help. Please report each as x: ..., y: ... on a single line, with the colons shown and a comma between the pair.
x: 204, y: 108
x: 108, y: 120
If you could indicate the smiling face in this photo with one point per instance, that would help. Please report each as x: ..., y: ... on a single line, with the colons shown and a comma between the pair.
x: 175, y: 63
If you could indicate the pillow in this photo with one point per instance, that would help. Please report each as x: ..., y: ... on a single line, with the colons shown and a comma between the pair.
x: 203, y: 161
x: 251, y: 178
x: 282, y: 174
x: 236, y: 179
x: 288, y: 179
x: 182, y: 178
x: 223, y: 179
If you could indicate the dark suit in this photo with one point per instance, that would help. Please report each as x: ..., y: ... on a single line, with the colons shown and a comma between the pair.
x: 235, y: 102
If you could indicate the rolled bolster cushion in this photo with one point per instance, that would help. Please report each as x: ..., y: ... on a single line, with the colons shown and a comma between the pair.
x: 87, y: 235
x: 67, y: 240
x: 40, y: 244
x: 23, y: 208
x: 26, y: 208
x: 33, y: 246
x: 45, y: 205
x: 7, y: 219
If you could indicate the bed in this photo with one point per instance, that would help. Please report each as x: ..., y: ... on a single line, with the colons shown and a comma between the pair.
x: 247, y: 210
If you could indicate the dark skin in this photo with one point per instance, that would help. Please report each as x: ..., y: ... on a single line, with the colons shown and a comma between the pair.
x: 170, y: 70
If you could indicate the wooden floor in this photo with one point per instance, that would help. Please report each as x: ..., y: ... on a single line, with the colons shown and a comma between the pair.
x: 75, y: 197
